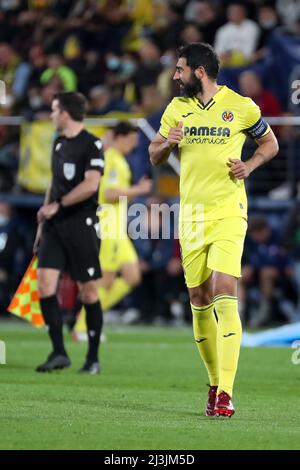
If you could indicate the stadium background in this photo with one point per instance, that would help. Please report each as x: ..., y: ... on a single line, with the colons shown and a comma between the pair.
x: 121, y: 55
x: 151, y: 392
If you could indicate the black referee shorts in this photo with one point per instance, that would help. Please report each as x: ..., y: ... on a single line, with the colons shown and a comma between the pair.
x: 71, y: 244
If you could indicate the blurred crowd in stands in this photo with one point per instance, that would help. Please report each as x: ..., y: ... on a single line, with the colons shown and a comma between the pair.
x: 121, y: 55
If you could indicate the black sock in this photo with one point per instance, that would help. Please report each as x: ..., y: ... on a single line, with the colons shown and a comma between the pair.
x: 94, y: 322
x: 53, y: 319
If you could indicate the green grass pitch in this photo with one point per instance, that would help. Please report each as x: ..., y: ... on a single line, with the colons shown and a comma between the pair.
x: 150, y: 395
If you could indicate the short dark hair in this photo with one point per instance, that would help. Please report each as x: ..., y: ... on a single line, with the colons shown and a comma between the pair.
x: 124, y: 128
x: 201, y: 54
x: 73, y: 103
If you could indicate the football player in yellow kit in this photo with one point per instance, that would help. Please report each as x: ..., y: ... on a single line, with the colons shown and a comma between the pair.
x: 117, y: 253
x: 209, y: 124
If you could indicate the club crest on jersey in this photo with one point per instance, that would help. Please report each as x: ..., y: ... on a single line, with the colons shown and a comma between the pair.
x: 227, y: 116
x: 69, y: 171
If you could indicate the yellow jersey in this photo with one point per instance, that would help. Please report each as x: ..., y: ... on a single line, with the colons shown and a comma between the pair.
x: 211, y: 135
x: 113, y: 216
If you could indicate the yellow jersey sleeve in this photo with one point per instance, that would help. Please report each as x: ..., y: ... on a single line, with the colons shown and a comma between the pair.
x: 254, y: 125
x: 113, y: 177
x: 167, y: 121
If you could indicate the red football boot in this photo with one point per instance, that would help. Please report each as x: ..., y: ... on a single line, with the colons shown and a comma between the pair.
x: 224, y: 406
x: 212, y: 395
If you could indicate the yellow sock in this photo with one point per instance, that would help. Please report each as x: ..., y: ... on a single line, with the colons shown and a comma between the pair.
x: 110, y: 297
x: 205, y: 333
x: 228, y: 340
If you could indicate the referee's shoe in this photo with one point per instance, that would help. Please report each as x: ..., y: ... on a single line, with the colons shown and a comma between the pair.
x: 90, y: 367
x: 55, y: 361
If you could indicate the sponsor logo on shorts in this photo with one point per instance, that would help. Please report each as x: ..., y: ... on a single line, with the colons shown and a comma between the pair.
x: 91, y: 271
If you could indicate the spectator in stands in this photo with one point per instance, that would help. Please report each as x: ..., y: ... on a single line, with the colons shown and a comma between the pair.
x: 90, y: 71
x: 9, y: 244
x: 292, y: 243
x: 205, y: 15
x: 149, y: 68
x: 268, y: 21
x: 190, y: 33
x: 251, y: 85
x: 102, y: 102
x: 159, y: 265
x: 151, y: 100
x: 13, y: 72
x: 37, y: 61
x: 58, y: 68
x: 40, y: 101
x: 266, y: 266
x: 236, y: 41
x: 49, y: 31
x: 165, y: 83
x: 289, y: 11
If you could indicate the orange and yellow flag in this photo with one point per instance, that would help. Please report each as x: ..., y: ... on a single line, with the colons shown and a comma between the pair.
x: 25, y: 303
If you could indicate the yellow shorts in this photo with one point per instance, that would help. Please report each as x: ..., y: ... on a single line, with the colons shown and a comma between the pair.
x: 214, y: 245
x: 115, y: 253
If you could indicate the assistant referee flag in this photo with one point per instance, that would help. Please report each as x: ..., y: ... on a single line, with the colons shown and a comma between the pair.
x: 25, y: 303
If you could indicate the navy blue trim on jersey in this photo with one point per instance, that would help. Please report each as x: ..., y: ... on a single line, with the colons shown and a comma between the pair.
x: 258, y: 129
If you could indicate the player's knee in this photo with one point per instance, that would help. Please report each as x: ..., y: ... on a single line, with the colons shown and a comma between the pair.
x: 89, y: 296
x: 45, y: 288
x: 135, y: 279
x: 199, y: 298
x: 88, y: 293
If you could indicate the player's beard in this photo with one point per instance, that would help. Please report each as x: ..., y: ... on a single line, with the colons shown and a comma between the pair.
x: 192, y: 87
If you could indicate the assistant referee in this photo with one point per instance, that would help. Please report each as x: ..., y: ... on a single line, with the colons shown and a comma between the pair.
x: 67, y: 238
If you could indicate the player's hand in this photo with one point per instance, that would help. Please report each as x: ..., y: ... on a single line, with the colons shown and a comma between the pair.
x: 144, y: 186
x: 239, y: 169
x: 47, y: 211
x: 175, y: 134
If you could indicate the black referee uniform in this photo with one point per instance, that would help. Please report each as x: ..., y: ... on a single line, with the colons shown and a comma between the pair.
x: 70, y: 242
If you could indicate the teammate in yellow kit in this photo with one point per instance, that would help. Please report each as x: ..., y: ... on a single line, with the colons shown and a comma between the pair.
x: 209, y: 123
x: 117, y: 253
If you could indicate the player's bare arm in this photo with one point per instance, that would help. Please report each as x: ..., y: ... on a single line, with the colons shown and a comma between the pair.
x: 160, y: 148
x: 80, y: 193
x: 267, y: 149
x: 83, y: 190
x: 142, y: 188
